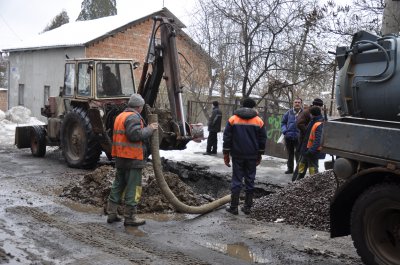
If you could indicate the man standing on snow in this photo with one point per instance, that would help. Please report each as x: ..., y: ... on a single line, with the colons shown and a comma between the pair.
x: 214, y: 127
x: 129, y: 151
x: 291, y: 133
x: 244, y: 139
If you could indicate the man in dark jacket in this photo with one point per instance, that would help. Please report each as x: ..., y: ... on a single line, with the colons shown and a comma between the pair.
x: 129, y: 151
x: 302, y: 121
x: 291, y: 133
x: 214, y: 127
x: 244, y: 140
x: 310, y: 149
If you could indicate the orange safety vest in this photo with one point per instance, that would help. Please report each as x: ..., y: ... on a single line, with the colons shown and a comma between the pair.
x: 311, y: 139
x: 121, y: 146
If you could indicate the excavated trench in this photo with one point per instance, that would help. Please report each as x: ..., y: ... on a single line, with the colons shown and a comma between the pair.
x: 192, y: 184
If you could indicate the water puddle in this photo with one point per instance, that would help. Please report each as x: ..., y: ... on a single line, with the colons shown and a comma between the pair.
x: 165, y: 217
x: 240, y: 251
x: 135, y: 231
x: 79, y: 207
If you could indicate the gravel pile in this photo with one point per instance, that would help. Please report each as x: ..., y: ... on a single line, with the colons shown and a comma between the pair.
x: 95, y: 187
x: 302, y: 203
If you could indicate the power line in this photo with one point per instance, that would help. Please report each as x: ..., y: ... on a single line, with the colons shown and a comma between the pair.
x: 5, y: 22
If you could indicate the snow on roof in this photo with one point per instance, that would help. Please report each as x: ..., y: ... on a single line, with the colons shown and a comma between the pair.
x: 79, y: 33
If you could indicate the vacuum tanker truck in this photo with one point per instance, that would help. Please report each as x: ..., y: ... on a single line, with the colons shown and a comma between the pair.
x: 366, y: 143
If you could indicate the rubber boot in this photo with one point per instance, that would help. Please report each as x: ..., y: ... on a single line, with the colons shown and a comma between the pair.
x: 112, y: 211
x: 248, y: 203
x: 130, y: 217
x: 233, y: 208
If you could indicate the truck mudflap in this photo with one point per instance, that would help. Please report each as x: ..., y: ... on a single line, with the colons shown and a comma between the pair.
x: 23, y: 136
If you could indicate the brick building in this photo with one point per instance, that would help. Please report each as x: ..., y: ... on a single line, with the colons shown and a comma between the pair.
x: 3, y: 99
x: 37, y: 66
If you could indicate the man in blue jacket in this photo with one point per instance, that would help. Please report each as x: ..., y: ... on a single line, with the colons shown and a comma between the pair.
x: 291, y: 133
x: 244, y: 139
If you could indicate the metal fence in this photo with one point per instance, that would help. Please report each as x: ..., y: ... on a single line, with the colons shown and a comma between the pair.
x: 270, y: 112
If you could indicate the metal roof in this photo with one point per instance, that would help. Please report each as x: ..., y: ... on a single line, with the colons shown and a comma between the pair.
x: 80, y: 33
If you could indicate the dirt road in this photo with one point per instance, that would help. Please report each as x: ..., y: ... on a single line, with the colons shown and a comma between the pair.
x: 37, y: 226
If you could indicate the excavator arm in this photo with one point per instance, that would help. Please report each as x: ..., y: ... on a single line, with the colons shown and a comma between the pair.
x: 162, y: 58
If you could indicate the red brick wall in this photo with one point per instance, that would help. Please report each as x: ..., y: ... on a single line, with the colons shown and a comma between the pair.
x: 132, y: 43
x: 3, y: 100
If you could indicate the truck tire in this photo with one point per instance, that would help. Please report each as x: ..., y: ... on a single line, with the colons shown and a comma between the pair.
x: 78, y: 142
x: 38, y: 141
x: 375, y: 224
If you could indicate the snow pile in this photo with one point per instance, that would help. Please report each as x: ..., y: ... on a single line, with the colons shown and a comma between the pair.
x: 2, y: 115
x: 19, y: 114
x: 16, y: 116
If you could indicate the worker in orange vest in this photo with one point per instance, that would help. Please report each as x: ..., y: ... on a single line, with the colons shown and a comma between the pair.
x: 311, y: 148
x: 129, y: 149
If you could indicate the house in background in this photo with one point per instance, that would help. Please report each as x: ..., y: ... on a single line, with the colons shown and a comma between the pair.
x: 36, y: 67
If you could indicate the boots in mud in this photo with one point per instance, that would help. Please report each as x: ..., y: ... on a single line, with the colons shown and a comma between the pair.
x: 112, y: 211
x: 130, y: 217
x: 248, y: 203
x: 233, y: 208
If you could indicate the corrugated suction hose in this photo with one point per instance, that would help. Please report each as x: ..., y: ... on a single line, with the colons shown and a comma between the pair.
x: 178, y: 205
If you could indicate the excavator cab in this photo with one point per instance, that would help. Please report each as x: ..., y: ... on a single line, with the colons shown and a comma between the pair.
x: 99, y: 78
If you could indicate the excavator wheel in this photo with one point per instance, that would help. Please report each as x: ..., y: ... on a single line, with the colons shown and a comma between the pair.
x: 78, y: 142
x: 375, y: 224
x: 38, y: 141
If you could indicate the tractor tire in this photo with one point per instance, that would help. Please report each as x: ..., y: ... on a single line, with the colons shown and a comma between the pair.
x: 78, y: 142
x: 375, y: 224
x: 38, y: 141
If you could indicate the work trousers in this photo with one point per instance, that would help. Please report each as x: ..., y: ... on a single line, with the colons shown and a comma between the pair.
x: 243, y: 169
x: 212, y: 142
x: 311, y: 162
x: 292, y: 150
x: 127, y: 185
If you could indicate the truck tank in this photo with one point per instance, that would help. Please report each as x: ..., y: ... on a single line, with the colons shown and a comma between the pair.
x: 368, y: 81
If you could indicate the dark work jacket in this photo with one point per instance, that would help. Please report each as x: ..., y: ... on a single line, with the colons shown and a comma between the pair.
x: 312, y: 151
x: 214, y: 123
x: 245, y: 134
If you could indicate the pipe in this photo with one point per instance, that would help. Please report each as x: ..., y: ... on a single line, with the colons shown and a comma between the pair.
x: 178, y: 205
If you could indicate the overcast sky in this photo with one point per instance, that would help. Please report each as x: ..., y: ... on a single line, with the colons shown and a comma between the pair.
x: 21, y: 19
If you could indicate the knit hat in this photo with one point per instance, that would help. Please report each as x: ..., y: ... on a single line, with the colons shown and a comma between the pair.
x: 317, y: 102
x: 248, y: 103
x: 315, y: 111
x: 136, y: 100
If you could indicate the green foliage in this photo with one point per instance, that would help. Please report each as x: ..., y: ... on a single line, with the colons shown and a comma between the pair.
x: 57, y: 21
x: 92, y: 9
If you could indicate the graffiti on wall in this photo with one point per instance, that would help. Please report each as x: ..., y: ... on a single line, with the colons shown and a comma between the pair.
x: 274, y: 127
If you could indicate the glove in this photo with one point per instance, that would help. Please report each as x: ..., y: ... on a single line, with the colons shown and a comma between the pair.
x: 227, y: 160
x: 258, y: 161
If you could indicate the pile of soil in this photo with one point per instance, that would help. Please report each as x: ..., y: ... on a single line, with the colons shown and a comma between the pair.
x: 95, y: 187
x: 303, y: 203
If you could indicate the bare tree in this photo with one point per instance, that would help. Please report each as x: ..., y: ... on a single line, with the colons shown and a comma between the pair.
x: 391, y: 17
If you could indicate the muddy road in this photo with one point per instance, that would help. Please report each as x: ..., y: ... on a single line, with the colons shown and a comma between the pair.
x: 37, y: 226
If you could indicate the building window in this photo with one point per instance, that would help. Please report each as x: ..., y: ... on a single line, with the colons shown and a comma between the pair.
x: 21, y: 92
x: 46, y: 95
